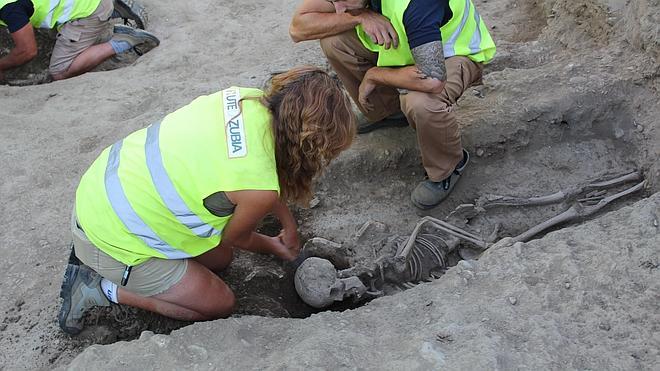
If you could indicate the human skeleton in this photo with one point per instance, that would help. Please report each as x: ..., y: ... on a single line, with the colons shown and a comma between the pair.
x: 403, y: 261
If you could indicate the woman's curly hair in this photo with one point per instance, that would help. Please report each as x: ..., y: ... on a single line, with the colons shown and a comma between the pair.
x: 312, y: 123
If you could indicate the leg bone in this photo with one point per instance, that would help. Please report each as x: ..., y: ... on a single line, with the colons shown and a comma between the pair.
x: 574, y: 212
x: 497, y: 200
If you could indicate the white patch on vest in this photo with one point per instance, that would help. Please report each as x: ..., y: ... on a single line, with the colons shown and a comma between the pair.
x: 234, y: 128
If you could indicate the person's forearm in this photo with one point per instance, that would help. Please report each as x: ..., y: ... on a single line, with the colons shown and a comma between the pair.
x: 255, y: 242
x: 318, y: 25
x: 15, y: 58
x: 258, y: 243
x: 283, y: 214
x: 409, y: 78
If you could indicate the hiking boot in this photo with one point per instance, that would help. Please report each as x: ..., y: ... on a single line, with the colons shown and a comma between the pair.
x: 135, y: 37
x: 429, y: 194
x: 395, y: 120
x: 81, y: 290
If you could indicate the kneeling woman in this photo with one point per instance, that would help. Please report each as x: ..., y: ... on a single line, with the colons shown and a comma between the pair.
x: 160, y: 210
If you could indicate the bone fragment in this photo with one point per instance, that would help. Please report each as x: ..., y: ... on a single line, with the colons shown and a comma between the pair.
x: 595, y: 198
x: 635, y: 175
x: 596, y: 193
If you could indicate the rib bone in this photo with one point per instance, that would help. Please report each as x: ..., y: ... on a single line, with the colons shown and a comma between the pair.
x: 404, y: 250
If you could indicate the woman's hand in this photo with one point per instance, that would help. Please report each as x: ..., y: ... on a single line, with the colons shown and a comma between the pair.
x: 283, y: 247
x: 289, y: 238
x: 251, y: 206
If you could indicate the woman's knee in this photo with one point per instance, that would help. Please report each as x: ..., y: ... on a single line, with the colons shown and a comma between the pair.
x: 214, y: 298
x: 201, y: 291
x: 222, y: 305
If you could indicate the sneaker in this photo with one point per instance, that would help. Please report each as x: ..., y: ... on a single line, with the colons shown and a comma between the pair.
x: 81, y: 290
x: 73, y: 259
x: 396, y: 120
x: 135, y: 37
x: 429, y: 194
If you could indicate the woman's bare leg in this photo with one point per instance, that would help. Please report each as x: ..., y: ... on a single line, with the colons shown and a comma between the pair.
x: 217, y: 259
x: 200, y: 295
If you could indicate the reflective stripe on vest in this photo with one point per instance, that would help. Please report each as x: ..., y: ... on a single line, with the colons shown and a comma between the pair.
x: 475, y: 42
x: 166, y: 190
x: 46, y: 22
x: 465, y: 34
x: 448, y: 46
x: 66, y: 12
x: 127, y: 214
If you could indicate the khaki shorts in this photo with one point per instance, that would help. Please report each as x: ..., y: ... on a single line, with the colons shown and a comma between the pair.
x: 78, y: 35
x: 147, y: 279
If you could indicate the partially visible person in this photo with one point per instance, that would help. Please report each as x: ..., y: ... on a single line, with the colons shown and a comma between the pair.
x: 405, y: 61
x: 85, y: 36
x: 161, y: 210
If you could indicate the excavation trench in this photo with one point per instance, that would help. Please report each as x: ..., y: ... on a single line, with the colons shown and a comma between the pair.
x: 372, y: 182
x: 35, y: 72
x: 520, y: 144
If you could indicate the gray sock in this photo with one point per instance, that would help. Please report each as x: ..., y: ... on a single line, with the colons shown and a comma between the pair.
x: 120, y: 46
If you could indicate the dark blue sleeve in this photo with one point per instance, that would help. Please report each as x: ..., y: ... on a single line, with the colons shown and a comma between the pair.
x: 17, y: 14
x: 422, y: 20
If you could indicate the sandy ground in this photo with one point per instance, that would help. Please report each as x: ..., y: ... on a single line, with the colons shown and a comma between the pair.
x: 572, y: 94
x: 583, y: 298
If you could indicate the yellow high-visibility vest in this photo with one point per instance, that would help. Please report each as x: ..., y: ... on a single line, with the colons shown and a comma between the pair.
x: 143, y: 196
x: 464, y: 34
x: 54, y: 13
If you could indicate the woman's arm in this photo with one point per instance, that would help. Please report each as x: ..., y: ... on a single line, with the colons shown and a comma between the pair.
x: 251, y: 207
x: 289, y: 234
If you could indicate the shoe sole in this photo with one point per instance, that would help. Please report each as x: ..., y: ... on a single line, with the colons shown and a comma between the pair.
x: 126, y: 30
x: 131, y: 10
x: 424, y: 207
x: 73, y: 259
x: 65, y: 293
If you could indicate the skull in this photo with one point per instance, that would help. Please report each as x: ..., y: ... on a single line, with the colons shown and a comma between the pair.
x: 317, y: 283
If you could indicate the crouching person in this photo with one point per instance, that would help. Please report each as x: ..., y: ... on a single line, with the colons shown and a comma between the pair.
x: 161, y: 210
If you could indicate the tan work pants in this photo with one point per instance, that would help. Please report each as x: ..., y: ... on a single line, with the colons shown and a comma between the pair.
x: 150, y: 278
x: 431, y: 115
x: 78, y: 35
